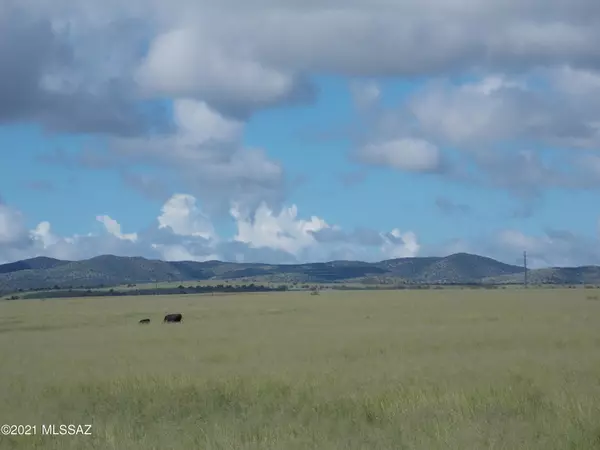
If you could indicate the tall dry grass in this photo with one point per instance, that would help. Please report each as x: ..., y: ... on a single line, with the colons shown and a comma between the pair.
x: 426, y: 370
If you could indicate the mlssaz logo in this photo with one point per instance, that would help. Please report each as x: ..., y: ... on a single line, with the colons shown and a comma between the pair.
x: 66, y: 430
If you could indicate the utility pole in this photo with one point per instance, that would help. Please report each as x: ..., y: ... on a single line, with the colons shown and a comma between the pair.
x: 525, y: 266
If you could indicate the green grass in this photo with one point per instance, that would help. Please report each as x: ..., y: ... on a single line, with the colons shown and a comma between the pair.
x: 440, y: 369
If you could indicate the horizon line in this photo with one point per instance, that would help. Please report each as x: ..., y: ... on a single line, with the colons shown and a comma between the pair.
x: 296, y: 263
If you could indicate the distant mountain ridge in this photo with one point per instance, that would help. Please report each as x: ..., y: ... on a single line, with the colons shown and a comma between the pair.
x: 41, y: 262
x: 109, y: 270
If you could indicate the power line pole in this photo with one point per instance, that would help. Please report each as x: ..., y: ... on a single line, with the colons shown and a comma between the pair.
x: 525, y: 266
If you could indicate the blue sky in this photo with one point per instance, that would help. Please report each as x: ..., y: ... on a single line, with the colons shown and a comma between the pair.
x: 269, y: 136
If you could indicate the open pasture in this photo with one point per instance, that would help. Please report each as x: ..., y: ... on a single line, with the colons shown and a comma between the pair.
x: 432, y: 369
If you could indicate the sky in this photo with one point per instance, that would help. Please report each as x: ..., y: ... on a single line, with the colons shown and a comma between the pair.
x: 300, y: 131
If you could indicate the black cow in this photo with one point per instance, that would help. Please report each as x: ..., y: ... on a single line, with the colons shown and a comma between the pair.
x: 172, y: 318
x: 145, y: 321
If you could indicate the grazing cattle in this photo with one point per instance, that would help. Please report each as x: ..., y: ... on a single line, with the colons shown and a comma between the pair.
x: 172, y: 318
x: 145, y: 321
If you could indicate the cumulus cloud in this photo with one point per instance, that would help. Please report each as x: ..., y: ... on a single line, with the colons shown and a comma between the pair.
x: 184, y: 218
x: 183, y: 232
x: 100, y: 67
x: 204, y: 151
x: 232, y: 58
x: 411, y: 155
x: 12, y: 228
x: 498, y: 131
x: 400, y: 245
x: 497, y: 109
x: 240, y: 56
x: 393, y: 244
x: 560, y: 248
x: 410, y: 37
x: 114, y: 228
x: 472, y: 114
x: 42, y: 234
x: 188, y: 63
x: 45, y: 79
x: 549, y: 248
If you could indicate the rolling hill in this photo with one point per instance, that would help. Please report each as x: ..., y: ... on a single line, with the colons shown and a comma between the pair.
x: 109, y: 270
x: 41, y: 262
x: 553, y: 275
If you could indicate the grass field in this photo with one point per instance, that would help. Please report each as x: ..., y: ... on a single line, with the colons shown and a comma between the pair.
x: 439, y: 369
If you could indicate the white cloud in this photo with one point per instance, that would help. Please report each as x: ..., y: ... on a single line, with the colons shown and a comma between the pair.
x: 549, y: 248
x: 183, y: 232
x: 245, y: 55
x: 180, y: 253
x: 411, y: 155
x: 400, y: 245
x: 399, y: 38
x: 553, y: 248
x: 84, y: 65
x: 206, y: 153
x: 581, y: 83
x: 43, y: 234
x: 199, y: 124
x: 184, y: 218
x: 284, y: 237
x: 202, y: 136
x: 551, y: 108
x: 472, y: 114
x: 497, y: 131
x: 114, y: 228
x: 189, y: 63
x: 11, y: 225
x: 279, y: 232
x: 365, y: 94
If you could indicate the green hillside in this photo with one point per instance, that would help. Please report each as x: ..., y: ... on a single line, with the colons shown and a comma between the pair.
x: 109, y: 270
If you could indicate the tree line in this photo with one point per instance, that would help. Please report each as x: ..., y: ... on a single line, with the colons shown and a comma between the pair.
x: 179, y: 290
